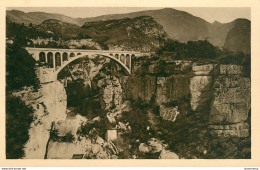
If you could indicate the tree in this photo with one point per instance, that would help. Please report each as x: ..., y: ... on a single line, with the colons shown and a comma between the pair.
x: 192, y: 49
x: 20, y: 69
x: 200, y: 49
x: 18, y: 120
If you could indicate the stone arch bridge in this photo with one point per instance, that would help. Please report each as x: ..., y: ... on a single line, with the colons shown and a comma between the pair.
x: 56, y: 59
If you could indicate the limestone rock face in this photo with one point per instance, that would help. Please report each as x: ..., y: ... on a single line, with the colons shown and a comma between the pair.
x: 238, y: 130
x: 156, y: 145
x: 231, y: 103
x: 153, y: 146
x: 70, y: 125
x: 144, y: 148
x: 136, y: 87
x: 230, y: 69
x: 177, y: 67
x: 200, y: 89
x: 172, y: 88
x: 112, y: 93
x: 166, y: 154
x: 202, y: 69
x: 63, y: 150
x: 169, y: 113
x: 46, y: 74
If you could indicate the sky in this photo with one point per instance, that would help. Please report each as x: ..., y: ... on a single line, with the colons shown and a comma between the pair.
x: 209, y: 14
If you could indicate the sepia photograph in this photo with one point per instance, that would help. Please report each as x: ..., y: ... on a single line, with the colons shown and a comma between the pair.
x: 128, y: 83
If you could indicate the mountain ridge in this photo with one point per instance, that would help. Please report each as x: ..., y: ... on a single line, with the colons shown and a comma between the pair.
x: 179, y: 25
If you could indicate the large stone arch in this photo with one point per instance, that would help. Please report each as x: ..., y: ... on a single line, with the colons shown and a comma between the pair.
x: 84, y: 55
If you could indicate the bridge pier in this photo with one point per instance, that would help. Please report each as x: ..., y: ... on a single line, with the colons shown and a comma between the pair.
x: 46, y: 75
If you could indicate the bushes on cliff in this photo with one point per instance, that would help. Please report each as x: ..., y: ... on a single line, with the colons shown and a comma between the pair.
x: 239, y: 58
x: 54, y: 136
x: 18, y: 120
x: 22, y: 33
x: 20, y: 69
x: 137, y: 118
x: 201, y: 49
x: 20, y: 72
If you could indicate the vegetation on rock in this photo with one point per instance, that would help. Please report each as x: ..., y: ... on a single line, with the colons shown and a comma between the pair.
x: 18, y: 120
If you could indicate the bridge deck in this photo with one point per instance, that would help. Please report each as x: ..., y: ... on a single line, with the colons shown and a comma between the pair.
x: 78, y: 50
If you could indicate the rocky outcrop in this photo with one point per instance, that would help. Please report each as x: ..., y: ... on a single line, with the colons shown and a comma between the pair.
x: 200, y: 89
x: 218, y: 93
x: 167, y: 154
x: 99, y: 149
x: 172, y: 88
x: 111, y: 94
x: 139, y: 87
x: 169, y: 113
x: 177, y: 67
x: 231, y: 103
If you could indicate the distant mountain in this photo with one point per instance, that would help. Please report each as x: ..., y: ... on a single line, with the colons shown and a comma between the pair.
x: 38, y: 17
x: 61, y: 29
x: 140, y: 33
x: 179, y: 25
x: 238, y: 38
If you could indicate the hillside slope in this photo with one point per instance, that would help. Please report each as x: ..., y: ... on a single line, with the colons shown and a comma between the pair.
x: 61, y: 29
x: 140, y: 33
x: 238, y: 38
x: 38, y: 17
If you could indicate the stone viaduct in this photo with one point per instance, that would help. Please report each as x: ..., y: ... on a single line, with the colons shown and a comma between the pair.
x: 56, y: 59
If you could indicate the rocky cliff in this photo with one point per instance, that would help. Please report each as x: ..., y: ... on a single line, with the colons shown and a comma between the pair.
x: 176, y: 109
x: 231, y: 103
x: 220, y: 91
x: 50, y: 104
x: 213, y: 99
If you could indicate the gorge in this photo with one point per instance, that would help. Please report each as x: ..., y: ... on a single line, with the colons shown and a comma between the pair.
x: 182, y: 94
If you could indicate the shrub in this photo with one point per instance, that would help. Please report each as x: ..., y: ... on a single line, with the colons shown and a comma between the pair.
x: 20, y: 69
x: 18, y: 120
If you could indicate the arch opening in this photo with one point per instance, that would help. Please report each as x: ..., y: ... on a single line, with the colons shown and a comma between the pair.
x: 57, y: 59
x: 128, y: 60
x: 72, y: 55
x: 50, y: 59
x: 122, y: 58
x: 65, y: 56
x: 42, y: 57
